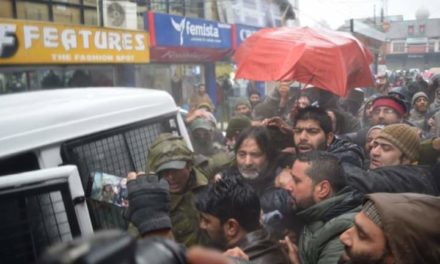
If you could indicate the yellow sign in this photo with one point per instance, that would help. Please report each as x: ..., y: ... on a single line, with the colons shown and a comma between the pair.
x: 30, y: 42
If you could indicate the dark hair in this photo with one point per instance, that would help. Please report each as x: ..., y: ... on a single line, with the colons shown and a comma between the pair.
x: 324, y: 166
x: 316, y: 114
x: 262, y: 138
x: 229, y: 198
x: 279, y: 139
x: 286, y: 160
x: 253, y: 91
x: 339, y: 119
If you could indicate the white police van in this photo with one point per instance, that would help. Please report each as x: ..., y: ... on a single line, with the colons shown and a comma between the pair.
x: 54, y: 144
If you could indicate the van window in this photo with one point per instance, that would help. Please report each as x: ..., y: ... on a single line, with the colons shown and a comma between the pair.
x: 34, y: 217
x: 19, y: 163
x: 113, y: 152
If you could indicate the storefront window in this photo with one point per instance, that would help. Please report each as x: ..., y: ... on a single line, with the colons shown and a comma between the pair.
x: 431, y: 47
x: 398, y: 47
x: 88, y: 76
x: 176, y: 7
x: 64, y: 14
x: 194, y: 8
x: 181, y: 85
x: 160, y: 7
x: 32, y: 11
x: 90, y: 17
x: 13, y: 80
x: 6, y: 9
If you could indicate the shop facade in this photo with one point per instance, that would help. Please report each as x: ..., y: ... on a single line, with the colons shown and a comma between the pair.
x: 43, y: 55
x: 184, y: 52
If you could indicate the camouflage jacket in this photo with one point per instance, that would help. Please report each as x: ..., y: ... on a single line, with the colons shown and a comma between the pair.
x: 184, y: 215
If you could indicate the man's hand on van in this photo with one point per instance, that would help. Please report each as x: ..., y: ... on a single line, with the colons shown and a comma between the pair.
x: 149, y: 203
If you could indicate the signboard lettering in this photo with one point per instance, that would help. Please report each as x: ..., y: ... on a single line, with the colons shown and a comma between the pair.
x: 180, y: 31
x: 52, y: 43
x: 242, y: 32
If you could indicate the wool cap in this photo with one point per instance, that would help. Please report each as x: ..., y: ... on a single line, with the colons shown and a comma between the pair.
x: 404, y: 137
x: 237, y: 124
x: 417, y: 95
x: 370, y: 210
x: 243, y: 101
x: 391, y: 102
x: 375, y: 127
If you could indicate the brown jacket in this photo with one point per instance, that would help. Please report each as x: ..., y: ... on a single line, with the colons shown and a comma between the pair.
x: 411, y: 223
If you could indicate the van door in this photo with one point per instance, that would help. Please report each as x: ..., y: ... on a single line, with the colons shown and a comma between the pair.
x: 40, y: 208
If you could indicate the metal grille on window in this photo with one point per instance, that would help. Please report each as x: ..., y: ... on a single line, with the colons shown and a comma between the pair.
x: 105, y: 159
x: 30, y: 223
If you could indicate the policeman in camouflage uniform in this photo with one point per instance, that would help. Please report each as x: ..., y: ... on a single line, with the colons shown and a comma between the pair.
x: 170, y: 158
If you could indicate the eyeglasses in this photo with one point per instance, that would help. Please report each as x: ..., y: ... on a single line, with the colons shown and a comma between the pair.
x: 386, y: 111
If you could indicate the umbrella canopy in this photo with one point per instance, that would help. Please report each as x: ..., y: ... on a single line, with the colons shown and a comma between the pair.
x: 334, y: 61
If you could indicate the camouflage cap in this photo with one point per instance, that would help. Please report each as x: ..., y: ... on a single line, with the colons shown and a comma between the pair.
x: 201, y: 123
x: 168, y: 151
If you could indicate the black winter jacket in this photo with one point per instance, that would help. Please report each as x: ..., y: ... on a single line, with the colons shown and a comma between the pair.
x: 392, y: 179
x: 347, y: 152
x: 262, y: 249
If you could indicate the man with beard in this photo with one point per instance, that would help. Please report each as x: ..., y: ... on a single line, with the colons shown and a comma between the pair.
x: 230, y: 216
x: 312, y: 130
x: 255, y: 159
x: 392, y: 167
x: 243, y: 107
x: 254, y: 98
x: 398, y: 228
x: 388, y: 110
x: 418, y: 114
x: 325, y: 204
x: 202, y: 137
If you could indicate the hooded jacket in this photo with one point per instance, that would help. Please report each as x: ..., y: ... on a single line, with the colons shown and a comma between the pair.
x: 392, y: 179
x: 411, y: 226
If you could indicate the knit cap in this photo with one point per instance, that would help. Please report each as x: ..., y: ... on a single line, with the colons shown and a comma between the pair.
x: 391, y: 102
x: 370, y: 210
x: 374, y: 127
x: 243, y: 101
x: 237, y: 124
x: 404, y: 137
x: 417, y: 95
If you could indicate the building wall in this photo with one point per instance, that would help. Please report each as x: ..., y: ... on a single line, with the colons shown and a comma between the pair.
x: 413, y: 44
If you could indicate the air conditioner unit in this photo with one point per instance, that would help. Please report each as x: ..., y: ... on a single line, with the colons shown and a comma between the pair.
x: 119, y: 14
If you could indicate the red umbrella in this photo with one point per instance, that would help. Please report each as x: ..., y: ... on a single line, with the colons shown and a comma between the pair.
x: 334, y: 61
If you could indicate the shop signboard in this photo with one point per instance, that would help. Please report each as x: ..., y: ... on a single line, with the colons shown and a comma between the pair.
x: 31, y: 42
x: 183, y: 39
x: 241, y: 32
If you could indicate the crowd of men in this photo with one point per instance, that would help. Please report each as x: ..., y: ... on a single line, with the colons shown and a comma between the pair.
x: 301, y: 176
